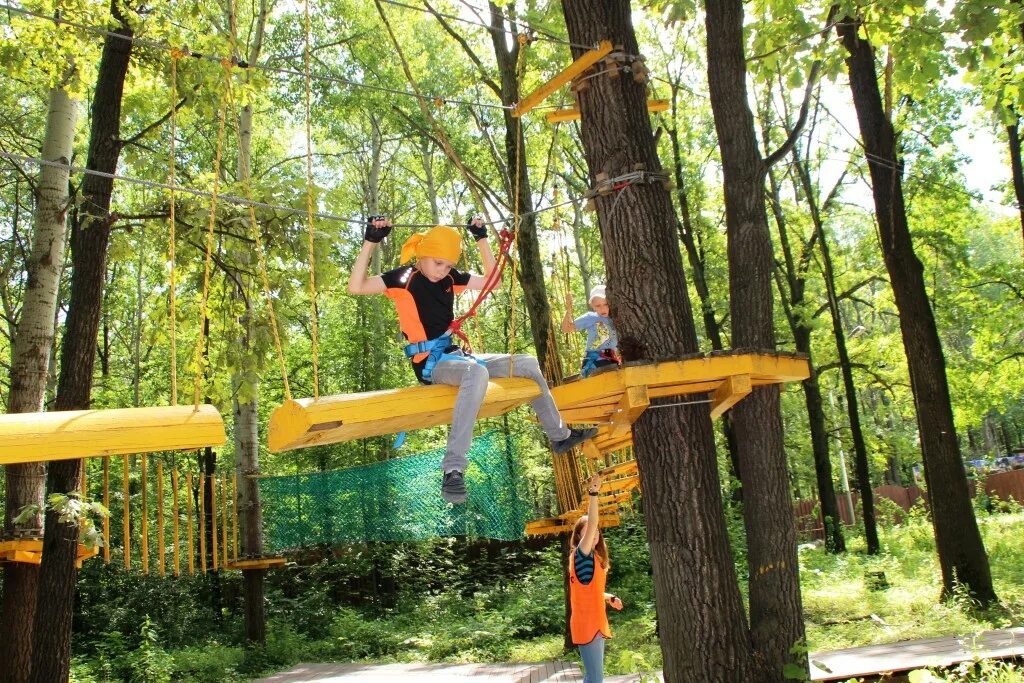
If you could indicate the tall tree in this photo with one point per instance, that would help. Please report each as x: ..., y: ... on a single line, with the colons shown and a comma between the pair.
x: 961, y: 551
x: 776, y: 618
x: 703, y: 628
x: 51, y: 655
x: 30, y: 367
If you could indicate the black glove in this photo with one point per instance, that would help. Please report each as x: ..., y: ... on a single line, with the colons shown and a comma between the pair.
x: 376, y: 234
x: 479, y: 232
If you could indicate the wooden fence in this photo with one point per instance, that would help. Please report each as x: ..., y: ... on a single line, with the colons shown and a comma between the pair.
x: 809, y: 522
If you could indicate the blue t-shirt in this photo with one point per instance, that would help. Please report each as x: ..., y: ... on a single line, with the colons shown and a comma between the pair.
x: 601, y: 335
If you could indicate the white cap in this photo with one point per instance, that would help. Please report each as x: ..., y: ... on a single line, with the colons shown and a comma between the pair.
x: 597, y: 293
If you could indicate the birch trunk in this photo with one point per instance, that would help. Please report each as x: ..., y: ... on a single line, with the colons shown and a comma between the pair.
x: 30, y: 365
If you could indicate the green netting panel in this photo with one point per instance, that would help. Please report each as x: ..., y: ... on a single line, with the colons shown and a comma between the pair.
x: 397, y: 500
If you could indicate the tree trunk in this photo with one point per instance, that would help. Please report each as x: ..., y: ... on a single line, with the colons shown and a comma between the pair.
x: 694, y: 578
x: 795, y: 292
x: 1017, y: 169
x: 531, y: 270
x: 695, y: 257
x: 51, y: 658
x: 30, y: 366
x: 776, y: 618
x: 957, y: 539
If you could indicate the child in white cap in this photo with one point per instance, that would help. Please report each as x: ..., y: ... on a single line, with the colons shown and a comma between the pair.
x: 602, y: 341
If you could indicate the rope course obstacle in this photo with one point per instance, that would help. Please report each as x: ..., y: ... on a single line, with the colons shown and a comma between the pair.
x: 396, y: 500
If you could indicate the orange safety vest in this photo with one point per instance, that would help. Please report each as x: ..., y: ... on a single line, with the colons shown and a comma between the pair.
x: 589, y: 615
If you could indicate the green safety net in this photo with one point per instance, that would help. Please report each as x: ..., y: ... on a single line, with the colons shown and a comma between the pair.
x: 397, y: 500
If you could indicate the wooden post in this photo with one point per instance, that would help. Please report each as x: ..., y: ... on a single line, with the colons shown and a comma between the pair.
x: 224, y: 519
x: 160, y: 515
x: 202, y: 522
x: 190, y: 532
x: 174, y: 516
x: 213, y: 520
x: 234, y: 512
x: 106, y: 504
x: 127, y: 518
x: 145, y: 519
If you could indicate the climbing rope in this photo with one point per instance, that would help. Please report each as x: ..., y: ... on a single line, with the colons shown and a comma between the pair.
x: 226, y: 65
x: 314, y: 334
x: 171, y: 231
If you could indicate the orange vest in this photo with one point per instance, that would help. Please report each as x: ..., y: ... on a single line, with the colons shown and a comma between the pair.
x: 589, y: 616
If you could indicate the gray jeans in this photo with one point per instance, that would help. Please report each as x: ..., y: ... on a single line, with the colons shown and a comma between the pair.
x: 471, y: 379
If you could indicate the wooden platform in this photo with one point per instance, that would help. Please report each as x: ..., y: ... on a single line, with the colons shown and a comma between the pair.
x: 331, y: 419
x: 546, y: 672
x: 30, y: 551
x: 617, y: 398
x: 907, y: 655
x: 72, y: 434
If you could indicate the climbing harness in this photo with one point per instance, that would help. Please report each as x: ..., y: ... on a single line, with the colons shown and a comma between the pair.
x: 593, y: 357
x: 435, y: 348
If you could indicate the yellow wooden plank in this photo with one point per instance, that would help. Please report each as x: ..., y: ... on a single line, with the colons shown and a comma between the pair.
x: 633, y: 403
x: 552, y: 526
x: 256, y: 563
x: 67, y: 435
x: 573, y: 114
x: 621, y: 469
x: 331, y: 419
x: 730, y: 392
x: 586, y: 60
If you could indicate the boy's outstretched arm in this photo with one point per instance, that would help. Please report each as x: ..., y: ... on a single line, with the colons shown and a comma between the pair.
x: 377, y: 228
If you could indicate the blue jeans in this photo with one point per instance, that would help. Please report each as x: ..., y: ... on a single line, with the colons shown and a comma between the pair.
x: 593, y: 660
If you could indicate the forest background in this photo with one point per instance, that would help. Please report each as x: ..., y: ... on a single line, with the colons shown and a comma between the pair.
x: 948, y: 78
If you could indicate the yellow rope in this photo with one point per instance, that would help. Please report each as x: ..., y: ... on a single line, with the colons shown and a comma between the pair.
x: 175, y: 55
x: 309, y: 217
x: 226, y: 65
x: 261, y: 258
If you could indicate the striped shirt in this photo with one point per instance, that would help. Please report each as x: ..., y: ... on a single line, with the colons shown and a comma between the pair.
x: 584, y: 566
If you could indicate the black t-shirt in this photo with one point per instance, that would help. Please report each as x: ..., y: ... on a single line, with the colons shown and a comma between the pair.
x: 425, y: 308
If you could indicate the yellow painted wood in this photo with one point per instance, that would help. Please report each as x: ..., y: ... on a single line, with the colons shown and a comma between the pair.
x: 633, y: 403
x: 126, y: 522
x: 30, y: 551
x: 554, y: 526
x: 224, y: 519
x: 678, y: 378
x: 67, y: 435
x: 202, y: 523
x: 730, y: 392
x: 106, y: 504
x: 332, y: 419
x: 189, y: 528
x: 586, y: 60
x: 573, y: 114
x: 256, y: 563
x: 145, y: 521
x: 621, y: 469
x: 160, y: 516
x: 213, y: 520
x: 175, y: 523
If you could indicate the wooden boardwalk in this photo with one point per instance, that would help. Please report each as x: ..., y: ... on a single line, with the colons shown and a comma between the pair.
x: 839, y: 665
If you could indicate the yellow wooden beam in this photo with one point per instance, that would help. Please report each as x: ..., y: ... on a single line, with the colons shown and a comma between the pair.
x: 552, y: 525
x: 256, y: 563
x: 633, y: 403
x: 30, y: 551
x: 573, y: 114
x: 730, y: 392
x: 621, y: 469
x: 586, y: 60
x: 68, y: 435
x: 332, y: 419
